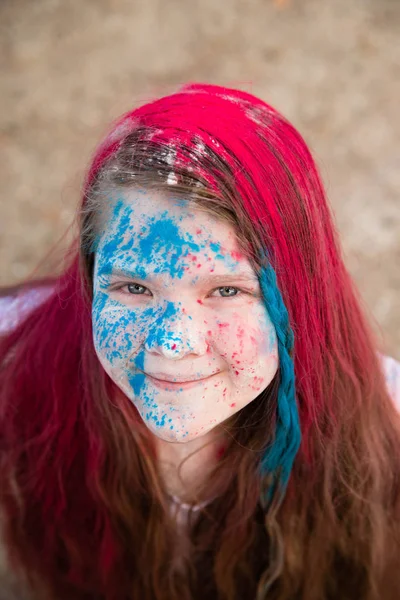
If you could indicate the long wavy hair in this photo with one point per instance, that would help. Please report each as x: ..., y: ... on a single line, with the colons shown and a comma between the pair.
x: 85, y: 510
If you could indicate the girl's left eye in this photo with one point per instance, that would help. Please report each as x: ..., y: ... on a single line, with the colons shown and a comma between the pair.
x: 135, y: 289
x: 229, y: 287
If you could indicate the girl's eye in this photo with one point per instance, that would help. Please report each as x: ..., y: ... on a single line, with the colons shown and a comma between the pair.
x: 137, y: 290
x: 228, y: 288
x: 134, y: 288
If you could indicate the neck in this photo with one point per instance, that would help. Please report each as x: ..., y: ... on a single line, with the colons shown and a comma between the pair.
x: 185, y: 467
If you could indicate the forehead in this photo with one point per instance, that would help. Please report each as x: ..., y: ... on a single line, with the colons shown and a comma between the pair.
x: 139, y: 218
x: 152, y: 235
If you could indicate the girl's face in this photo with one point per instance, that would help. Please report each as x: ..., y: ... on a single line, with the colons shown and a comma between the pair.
x: 175, y: 300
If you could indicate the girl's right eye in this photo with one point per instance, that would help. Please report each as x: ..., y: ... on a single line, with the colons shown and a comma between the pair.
x: 133, y: 288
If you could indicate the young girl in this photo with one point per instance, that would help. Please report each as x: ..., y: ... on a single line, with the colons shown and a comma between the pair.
x: 196, y: 407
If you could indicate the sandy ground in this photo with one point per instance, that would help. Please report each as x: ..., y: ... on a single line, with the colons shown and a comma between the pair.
x: 331, y: 66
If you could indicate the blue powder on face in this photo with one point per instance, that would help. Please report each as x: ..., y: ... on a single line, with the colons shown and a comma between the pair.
x: 123, y: 247
x: 160, y: 236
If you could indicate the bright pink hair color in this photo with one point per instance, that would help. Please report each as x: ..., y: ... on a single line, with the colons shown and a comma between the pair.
x: 84, y: 507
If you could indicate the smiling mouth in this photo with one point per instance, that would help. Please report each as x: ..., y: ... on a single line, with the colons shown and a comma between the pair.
x: 177, y: 385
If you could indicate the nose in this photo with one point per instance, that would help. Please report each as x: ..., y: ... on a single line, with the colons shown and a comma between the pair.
x: 176, y: 337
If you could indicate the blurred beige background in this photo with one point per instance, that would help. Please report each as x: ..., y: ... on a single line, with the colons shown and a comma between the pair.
x: 331, y: 66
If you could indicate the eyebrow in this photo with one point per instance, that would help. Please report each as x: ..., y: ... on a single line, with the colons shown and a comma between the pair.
x: 211, y: 278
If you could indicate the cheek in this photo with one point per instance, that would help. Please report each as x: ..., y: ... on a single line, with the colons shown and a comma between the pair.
x: 114, y: 333
x: 247, y: 337
x: 262, y: 333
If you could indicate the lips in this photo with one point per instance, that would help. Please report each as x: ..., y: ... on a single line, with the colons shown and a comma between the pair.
x: 176, y: 379
x: 176, y: 385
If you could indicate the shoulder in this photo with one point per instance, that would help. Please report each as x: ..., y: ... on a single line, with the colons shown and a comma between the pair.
x: 391, y: 369
x: 14, y: 307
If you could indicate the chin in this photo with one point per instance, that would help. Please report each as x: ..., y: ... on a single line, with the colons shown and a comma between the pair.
x: 176, y: 437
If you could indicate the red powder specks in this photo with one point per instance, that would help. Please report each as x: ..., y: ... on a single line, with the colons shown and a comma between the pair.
x: 237, y: 372
x: 236, y: 255
x: 258, y: 381
x: 194, y: 258
x: 199, y: 265
x: 233, y: 405
x: 253, y: 339
x: 220, y: 452
x: 173, y: 347
x: 199, y: 302
x: 220, y: 325
x: 209, y: 332
x: 198, y: 231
